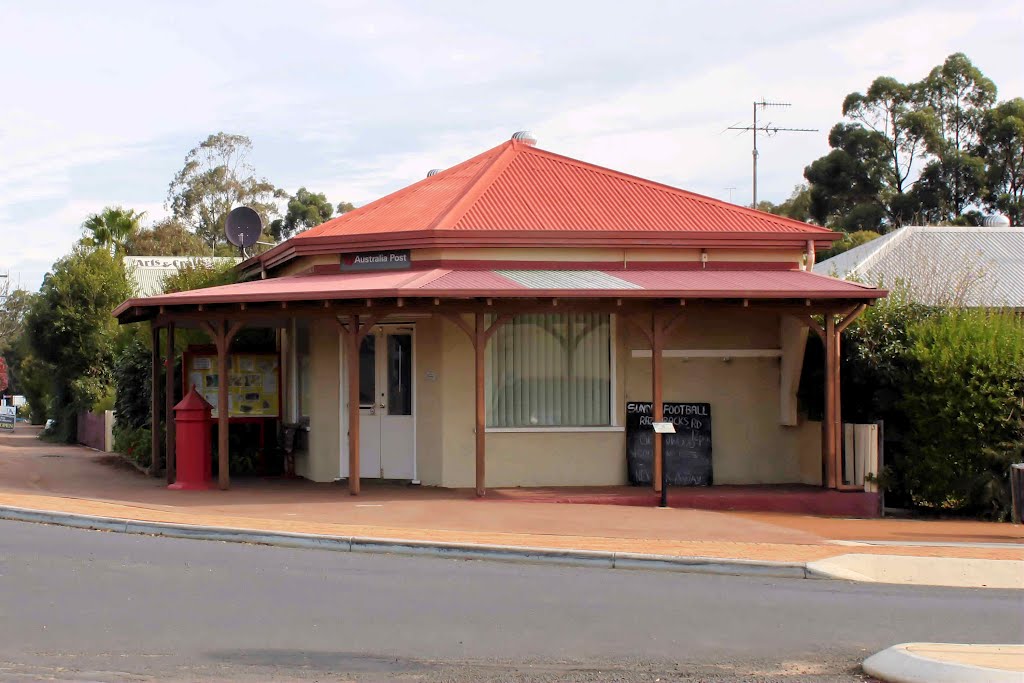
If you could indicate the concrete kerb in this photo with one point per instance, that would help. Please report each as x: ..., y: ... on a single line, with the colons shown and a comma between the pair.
x: 899, y: 664
x: 462, y: 551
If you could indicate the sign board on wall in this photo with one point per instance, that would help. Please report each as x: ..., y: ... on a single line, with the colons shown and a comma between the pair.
x: 8, y: 417
x: 253, y: 382
x: 687, y: 451
x: 399, y: 259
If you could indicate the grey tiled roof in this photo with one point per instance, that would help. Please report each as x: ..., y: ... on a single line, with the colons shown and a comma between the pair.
x: 965, y: 265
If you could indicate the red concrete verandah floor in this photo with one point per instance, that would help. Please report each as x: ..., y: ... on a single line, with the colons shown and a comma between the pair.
x: 37, y: 475
x: 791, y: 498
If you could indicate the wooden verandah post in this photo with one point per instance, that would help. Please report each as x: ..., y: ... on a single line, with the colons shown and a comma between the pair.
x: 837, y: 429
x: 154, y: 396
x: 657, y: 406
x: 222, y: 335
x: 478, y: 335
x: 170, y: 457
x: 832, y: 420
x: 661, y: 325
x: 353, y: 334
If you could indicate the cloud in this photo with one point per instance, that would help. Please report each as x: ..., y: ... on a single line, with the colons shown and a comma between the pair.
x: 361, y: 98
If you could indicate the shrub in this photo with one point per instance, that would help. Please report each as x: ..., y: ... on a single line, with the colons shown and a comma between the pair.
x: 73, y: 336
x: 948, y: 384
x: 136, y: 443
x: 133, y: 379
x: 962, y: 397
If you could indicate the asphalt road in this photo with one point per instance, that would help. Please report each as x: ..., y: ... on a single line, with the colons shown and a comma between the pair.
x: 93, y: 606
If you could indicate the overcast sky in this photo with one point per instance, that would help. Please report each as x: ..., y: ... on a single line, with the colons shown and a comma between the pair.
x: 102, y: 100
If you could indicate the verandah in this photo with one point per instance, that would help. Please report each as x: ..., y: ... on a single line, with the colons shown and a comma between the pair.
x: 480, y: 319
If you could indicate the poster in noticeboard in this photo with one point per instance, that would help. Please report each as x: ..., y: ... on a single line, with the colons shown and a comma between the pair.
x: 253, y: 382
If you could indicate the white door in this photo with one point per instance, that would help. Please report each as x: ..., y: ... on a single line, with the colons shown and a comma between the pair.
x: 386, y: 420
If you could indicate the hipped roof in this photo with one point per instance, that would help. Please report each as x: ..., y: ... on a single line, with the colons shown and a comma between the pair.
x: 517, y: 194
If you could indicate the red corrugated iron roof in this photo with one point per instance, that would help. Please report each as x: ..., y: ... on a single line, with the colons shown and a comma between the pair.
x: 515, y: 188
x: 441, y: 282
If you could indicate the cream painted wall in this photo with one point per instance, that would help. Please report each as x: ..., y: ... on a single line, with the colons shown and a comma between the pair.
x: 429, y: 416
x: 304, y: 263
x: 617, y: 256
x: 556, y: 459
x: 457, y: 407
x: 321, y: 463
x: 749, y: 446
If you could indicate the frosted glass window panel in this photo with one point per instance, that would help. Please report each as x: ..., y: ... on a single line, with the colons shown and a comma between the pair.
x: 550, y: 370
x: 399, y: 374
x: 368, y: 371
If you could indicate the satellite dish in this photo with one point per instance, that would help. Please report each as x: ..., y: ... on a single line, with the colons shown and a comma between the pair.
x: 243, y: 227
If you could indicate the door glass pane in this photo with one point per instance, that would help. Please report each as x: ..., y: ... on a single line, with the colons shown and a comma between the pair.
x: 367, y: 371
x: 399, y: 374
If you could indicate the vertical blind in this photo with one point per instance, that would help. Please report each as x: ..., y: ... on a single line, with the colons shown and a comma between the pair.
x: 550, y: 370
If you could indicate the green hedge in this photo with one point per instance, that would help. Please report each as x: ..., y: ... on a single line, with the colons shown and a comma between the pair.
x: 962, y: 401
x: 948, y: 384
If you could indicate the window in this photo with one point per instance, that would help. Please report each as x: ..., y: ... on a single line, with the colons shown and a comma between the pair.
x: 550, y: 370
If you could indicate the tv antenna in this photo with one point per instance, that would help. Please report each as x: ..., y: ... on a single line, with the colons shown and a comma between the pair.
x: 729, y: 190
x: 769, y: 130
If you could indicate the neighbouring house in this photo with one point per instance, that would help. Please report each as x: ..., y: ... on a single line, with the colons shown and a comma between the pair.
x: 521, y: 318
x: 960, y: 266
x: 146, y: 274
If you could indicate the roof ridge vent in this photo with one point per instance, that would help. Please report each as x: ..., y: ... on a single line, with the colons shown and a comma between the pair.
x: 525, y: 137
x: 434, y: 171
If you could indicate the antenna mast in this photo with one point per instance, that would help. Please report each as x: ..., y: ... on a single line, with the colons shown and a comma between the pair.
x: 767, y: 129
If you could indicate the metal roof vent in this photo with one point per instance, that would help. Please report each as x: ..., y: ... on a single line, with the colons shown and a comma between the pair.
x: 995, y: 221
x: 525, y: 137
x: 434, y: 171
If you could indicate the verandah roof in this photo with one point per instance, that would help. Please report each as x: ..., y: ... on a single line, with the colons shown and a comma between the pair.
x: 517, y: 284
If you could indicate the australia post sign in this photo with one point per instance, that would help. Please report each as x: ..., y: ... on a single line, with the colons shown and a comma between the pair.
x: 376, y: 260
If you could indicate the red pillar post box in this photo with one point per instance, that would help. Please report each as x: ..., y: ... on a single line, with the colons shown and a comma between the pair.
x: 193, y: 420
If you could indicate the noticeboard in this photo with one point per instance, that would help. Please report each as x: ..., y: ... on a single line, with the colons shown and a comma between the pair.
x: 8, y: 417
x: 687, y: 451
x: 254, y: 385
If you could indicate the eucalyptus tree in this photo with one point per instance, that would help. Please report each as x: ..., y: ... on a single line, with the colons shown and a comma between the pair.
x: 1002, y: 148
x: 954, y: 99
x: 305, y: 210
x: 917, y: 152
x: 216, y: 178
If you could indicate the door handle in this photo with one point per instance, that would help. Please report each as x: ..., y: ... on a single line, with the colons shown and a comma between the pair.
x: 381, y: 406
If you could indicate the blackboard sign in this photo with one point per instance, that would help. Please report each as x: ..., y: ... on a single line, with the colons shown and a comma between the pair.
x: 687, y: 452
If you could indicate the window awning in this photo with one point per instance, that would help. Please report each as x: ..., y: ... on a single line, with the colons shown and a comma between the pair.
x: 448, y: 283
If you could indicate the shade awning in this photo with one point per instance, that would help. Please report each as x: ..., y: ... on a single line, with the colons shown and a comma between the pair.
x: 521, y: 284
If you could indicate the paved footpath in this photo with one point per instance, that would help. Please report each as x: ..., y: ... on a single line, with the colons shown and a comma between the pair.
x: 66, y: 479
x: 70, y: 484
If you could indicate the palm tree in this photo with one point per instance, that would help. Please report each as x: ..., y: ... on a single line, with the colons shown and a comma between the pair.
x: 112, y: 228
